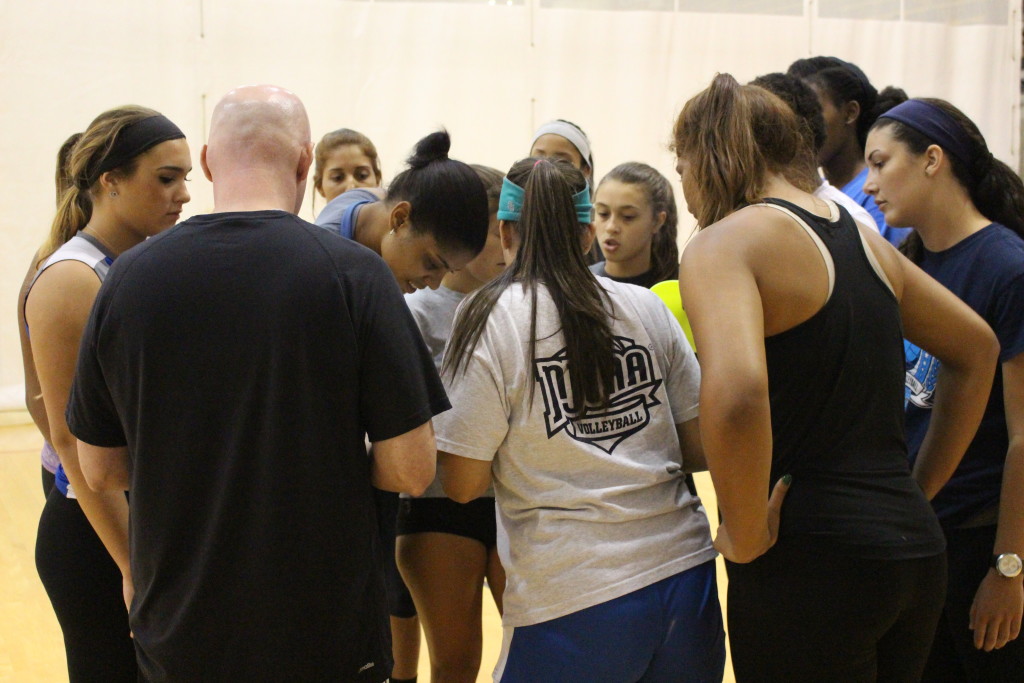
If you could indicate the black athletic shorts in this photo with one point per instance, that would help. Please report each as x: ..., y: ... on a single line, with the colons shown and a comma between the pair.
x: 474, y: 519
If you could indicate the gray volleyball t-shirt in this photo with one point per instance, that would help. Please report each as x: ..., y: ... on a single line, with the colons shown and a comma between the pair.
x: 589, y: 508
x: 434, y: 312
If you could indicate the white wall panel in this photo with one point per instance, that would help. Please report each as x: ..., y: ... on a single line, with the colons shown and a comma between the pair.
x: 488, y: 70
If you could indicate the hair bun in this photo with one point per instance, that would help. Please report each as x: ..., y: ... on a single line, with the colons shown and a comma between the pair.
x: 432, y: 148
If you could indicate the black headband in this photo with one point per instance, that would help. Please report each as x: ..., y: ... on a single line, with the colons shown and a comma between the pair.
x: 133, y: 140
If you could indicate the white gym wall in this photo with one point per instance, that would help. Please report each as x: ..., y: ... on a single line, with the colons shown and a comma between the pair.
x: 488, y: 70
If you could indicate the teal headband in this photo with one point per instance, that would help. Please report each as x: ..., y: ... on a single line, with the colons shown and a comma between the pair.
x: 510, y: 204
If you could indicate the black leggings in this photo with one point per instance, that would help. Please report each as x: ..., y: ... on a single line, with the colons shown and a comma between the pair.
x: 84, y: 587
x: 800, y: 615
x: 48, y: 481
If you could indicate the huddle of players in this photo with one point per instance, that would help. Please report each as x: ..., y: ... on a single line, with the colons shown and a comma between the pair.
x: 602, y: 539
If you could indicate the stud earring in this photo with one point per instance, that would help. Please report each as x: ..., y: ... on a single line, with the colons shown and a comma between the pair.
x: 113, y: 194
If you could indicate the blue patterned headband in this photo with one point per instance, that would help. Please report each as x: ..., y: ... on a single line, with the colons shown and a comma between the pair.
x: 510, y: 204
x: 936, y: 125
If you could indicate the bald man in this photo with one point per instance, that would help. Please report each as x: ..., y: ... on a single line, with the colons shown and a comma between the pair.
x: 227, y: 377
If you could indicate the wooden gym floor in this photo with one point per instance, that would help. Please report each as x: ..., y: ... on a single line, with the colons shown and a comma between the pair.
x: 31, y: 650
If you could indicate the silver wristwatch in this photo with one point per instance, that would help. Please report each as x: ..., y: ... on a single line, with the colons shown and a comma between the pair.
x: 1007, y: 564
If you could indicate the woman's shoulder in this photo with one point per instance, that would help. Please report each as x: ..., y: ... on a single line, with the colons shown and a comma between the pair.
x: 748, y: 229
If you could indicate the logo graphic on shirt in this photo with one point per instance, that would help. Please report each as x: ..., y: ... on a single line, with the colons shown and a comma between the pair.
x: 629, y: 404
x: 922, y: 371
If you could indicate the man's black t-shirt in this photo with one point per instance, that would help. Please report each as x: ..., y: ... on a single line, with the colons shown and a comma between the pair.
x: 241, y: 357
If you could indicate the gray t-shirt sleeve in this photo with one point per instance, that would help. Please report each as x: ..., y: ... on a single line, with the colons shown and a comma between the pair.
x: 478, y: 422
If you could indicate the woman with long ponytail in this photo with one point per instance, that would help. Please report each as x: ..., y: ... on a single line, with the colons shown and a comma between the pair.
x: 124, y: 181
x: 33, y: 393
x: 576, y: 397
x: 836, y: 560
x: 929, y: 167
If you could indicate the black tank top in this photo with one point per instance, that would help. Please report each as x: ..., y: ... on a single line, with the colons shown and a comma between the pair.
x: 836, y: 389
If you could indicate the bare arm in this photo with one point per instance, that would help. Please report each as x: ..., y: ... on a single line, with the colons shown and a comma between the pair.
x: 690, y: 446
x: 463, y: 479
x: 724, y: 306
x: 105, y: 469
x: 33, y: 392
x: 57, y: 311
x: 940, y: 323
x: 999, y: 602
x: 405, y: 463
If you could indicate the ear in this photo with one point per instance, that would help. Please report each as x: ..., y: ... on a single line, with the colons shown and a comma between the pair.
x: 399, y: 216
x: 851, y: 112
x: 509, y: 236
x: 934, y: 158
x: 587, y: 239
x: 204, y: 164
x: 305, y: 161
x: 660, y: 218
x: 109, y: 180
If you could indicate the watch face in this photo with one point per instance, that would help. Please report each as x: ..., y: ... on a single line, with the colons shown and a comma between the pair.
x: 1008, y: 564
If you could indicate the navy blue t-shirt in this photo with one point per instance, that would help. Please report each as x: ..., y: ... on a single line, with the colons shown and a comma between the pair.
x: 986, y: 270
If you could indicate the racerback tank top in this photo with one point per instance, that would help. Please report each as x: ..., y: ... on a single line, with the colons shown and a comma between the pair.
x: 836, y: 391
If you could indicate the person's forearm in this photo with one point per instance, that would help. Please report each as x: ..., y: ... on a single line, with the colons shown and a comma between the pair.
x: 960, y: 398
x: 736, y: 433
x: 1010, y: 533
x: 106, y: 511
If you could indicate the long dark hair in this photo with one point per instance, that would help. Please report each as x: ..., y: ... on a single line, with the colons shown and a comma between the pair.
x: 994, y: 188
x: 658, y: 190
x: 448, y: 199
x: 550, y: 254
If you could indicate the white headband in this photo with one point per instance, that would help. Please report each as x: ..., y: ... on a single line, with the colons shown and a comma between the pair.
x: 570, y: 133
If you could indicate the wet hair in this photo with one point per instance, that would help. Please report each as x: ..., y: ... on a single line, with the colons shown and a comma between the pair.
x: 844, y: 82
x: 996, y: 191
x: 491, y: 178
x: 75, y: 206
x: 447, y: 198
x: 340, y: 138
x: 550, y: 254
x: 658, y: 191
x: 733, y: 136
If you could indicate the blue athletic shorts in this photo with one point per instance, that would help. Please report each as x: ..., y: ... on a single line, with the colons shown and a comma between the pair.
x: 670, y: 631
